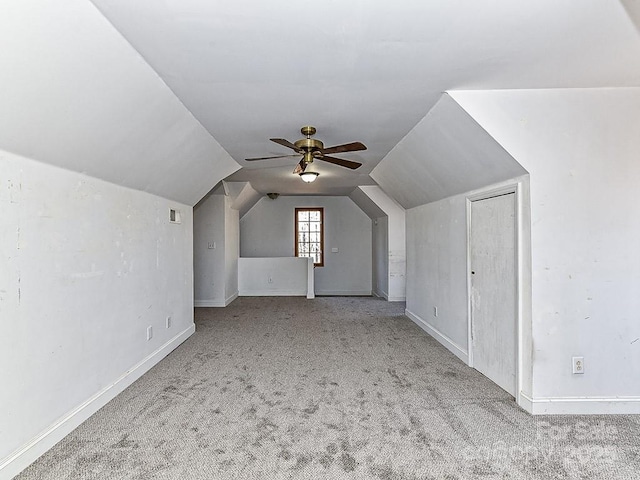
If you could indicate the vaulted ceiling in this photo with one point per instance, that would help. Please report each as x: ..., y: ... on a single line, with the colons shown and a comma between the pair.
x: 170, y: 97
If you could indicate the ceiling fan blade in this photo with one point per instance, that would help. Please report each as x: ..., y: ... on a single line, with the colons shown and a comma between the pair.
x: 300, y: 167
x: 285, y: 143
x: 347, y: 147
x: 341, y: 162
x: 267, y: 158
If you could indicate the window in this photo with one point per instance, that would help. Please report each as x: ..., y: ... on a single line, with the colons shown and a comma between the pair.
x: 310, y: 234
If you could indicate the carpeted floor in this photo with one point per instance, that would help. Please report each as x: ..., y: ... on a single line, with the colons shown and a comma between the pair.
x: 336, y: 388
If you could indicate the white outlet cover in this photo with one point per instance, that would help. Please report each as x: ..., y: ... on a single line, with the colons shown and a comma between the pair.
x: 149, y: 332
x: 578, y: 365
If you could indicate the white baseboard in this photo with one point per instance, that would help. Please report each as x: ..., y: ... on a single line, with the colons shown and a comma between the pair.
x: 524, y: 401
x: 231, y: 298
x: 581, y: 405
x: 387, y: 297
x: 272, y: 293
x: 215, y: 303
x: 397, y: 299
x: 344, y: 293
x: 300, y: 293
x: 209, y: 303
x: 18, y: 461
x: 380, y: 294
x: 449, y: 344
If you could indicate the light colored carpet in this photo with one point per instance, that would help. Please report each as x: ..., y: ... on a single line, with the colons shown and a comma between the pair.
x: 336, y: 388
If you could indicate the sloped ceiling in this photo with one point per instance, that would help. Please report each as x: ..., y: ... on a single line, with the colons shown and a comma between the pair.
x: 362, y: 70
x: 567, y: 133
x: 74, y: 93
x: 633, y: 9
x: 154, y: 95
x: 243, y: 196
x: 445, y: 154
x: 367, y: 205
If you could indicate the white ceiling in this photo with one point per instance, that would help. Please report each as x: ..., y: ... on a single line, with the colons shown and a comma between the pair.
x: 173, y: 98
x: 75, y: 94
x: 362, y: 70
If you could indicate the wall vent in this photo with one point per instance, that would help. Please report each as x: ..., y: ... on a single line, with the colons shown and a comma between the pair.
x: 174, y: 216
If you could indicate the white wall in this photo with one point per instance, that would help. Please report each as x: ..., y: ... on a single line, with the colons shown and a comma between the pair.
x: 231, y: 249
x: 275, y: 276
x: 437, y: 267
x: 396, y: 241
x: 380, y: 247
x: 437, y: 273
x: 87, y: 266
x: 209, y: 278
x: 216, y: 268
x: 581, y: 148
x: 390, y: 262
x: 267, y: 231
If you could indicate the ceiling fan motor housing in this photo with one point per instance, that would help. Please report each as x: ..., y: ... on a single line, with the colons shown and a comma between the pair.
x: 310, y: 147
x: 309, y: 144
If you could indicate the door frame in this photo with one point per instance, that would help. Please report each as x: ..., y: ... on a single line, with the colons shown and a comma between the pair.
x: 516, y: 189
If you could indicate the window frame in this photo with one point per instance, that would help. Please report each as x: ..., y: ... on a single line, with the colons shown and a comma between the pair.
x: 296, y: 232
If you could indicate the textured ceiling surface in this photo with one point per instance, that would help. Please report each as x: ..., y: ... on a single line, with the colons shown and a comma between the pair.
x: 362, y: 70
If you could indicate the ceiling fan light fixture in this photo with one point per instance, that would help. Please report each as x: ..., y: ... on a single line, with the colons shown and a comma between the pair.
x: 309, y: 177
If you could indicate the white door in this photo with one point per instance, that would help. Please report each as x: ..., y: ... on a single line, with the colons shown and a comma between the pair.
x: 493, y: 289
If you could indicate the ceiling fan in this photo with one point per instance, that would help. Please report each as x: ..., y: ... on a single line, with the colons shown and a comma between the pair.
x: 312, y: 149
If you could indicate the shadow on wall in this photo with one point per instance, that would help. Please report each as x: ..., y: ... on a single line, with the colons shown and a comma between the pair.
x: 633, y: 10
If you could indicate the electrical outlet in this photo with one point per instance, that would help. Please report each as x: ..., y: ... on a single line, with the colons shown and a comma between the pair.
x: 168, y: 322
x: 211, y: 245
x: 435, y: 311
x: 578, y: 365
x: 149, y: 332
